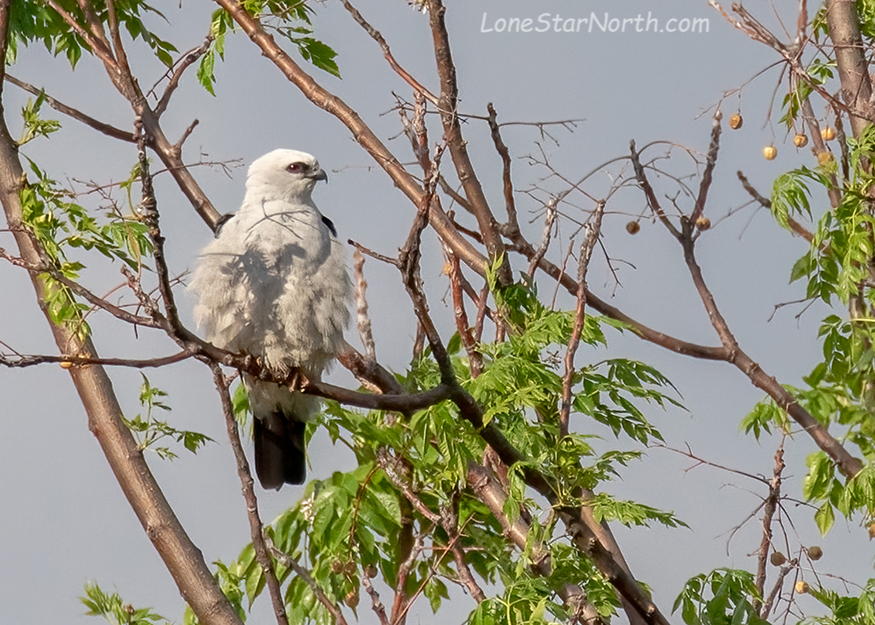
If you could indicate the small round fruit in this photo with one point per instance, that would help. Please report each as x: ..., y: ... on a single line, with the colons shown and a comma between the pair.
x: 65, y: 364
x: 371, y: 571
x: 801, y: 587
x: 337, y: 567
x: 800, y: 141
x: 633, y: 227
x: 770, y: 152
x: 815, y: 552
x: 349, y: 568
x: 735, y: 121
x: 703, y: 223
x: 828, y: 133
x: 777, y: 558
x: 352, y: 598
x: 825, y: 158
x: 872, y: 531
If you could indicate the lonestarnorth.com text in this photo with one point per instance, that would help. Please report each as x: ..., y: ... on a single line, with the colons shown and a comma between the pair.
x: 594, y: 23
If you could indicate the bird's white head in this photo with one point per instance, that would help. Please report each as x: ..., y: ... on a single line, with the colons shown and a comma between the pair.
x: 285, y: 173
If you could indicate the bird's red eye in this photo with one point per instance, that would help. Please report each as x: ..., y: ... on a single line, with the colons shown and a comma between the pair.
x: 295, y: 168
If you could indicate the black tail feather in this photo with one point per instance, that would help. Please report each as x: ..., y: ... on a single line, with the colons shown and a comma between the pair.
x: 280, y: 455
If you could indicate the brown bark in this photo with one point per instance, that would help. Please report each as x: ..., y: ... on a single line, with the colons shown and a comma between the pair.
x: 844, y: 30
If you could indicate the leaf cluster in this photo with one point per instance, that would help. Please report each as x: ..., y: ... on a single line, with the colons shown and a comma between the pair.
x: 290, y: 20
x: 112, y: 607
x: 721, y: 597
x: 149, y: 430
x: 32, y: 21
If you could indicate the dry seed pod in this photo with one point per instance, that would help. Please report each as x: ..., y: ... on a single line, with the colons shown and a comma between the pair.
x: 770, y: 152
x: 735, y: 121
x: 815, y: 552
x: 703, y: 223
x: 828, y: 133
x: 65, y: 364
x: 800, y: 141
x: 801, y: 587
x: 777, y: 558
x: 352, y: 599
x: 825, y: 158
x: 633, y: 227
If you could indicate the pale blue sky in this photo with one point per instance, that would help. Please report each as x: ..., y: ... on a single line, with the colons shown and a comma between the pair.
x: 64, y: 520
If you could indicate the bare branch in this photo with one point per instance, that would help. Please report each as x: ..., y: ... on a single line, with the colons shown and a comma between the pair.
x: 387, y: 53
x: 21, y: 360
x: 456, y: 143
x: 461, y: 316
x: 846, y: 463
x: 771, y: 504
x: 593, y: 231
x: 99, y: 126
x: 708, y: 174
x: 188, y: 59
x: 363, y: 321
x: 256, y: 529
x: 549, y: 220
x: 507, y: 183
x: 379, y: 608
x: 301, y: 572
x: 641, y: 177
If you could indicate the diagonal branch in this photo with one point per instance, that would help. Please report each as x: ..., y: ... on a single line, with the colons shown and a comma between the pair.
x: 506, y: 181
x: 181, y: 556
x: 458, y: 149
x: 652, y: 201
x: 256, y: 529
x: 69, y: 111
x: 189, y: 59
x: 708, y: 174
x: 593, y: 231
x: 301, y: 572
x: 387, y: 53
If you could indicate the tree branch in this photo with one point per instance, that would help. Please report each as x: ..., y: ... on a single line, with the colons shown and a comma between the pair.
x: 69, y: 111
x: 301, y: 572
x: 593, y: 231
x: 183, y: 559
x: 387, y: 53
x: 256, y: 529
x: 453, y: 135
x: 850, y: 55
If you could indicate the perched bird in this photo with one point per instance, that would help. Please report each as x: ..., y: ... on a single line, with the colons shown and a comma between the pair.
x: 274, y: 284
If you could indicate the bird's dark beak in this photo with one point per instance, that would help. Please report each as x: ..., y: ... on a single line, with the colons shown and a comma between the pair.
x: 319, y: 175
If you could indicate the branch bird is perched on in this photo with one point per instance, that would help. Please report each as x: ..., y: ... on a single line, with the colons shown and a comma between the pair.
x: 274, y: 284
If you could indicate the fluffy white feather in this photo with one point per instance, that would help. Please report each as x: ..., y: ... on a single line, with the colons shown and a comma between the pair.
x: 274, y: 284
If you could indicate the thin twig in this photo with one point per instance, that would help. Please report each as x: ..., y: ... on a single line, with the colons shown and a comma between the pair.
x: 188, y: 59
x: 69, y: 111
x: 771, y: 504
x: 387, y: 53
x: 363, y: 321
x: 256, y: 528
x: 593, y: 231
x: 379, y: 608
x: 708, y: 174
x: 289, y: 562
